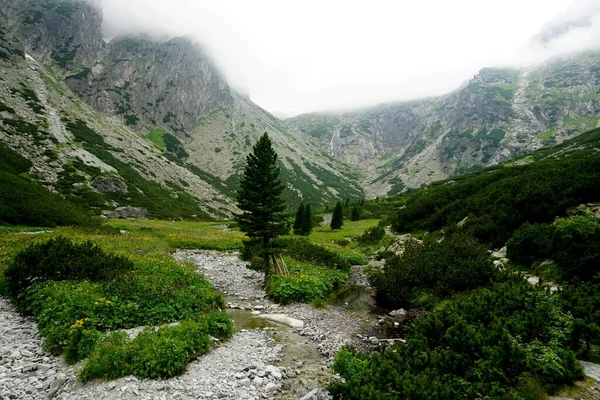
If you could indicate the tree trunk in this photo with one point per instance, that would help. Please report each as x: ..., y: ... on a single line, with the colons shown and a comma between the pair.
x: 266, y: 257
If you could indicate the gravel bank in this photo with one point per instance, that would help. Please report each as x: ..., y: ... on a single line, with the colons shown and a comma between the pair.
x: 330, y: 328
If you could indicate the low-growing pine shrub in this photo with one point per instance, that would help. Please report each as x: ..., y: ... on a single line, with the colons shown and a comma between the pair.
x: 304, y: 250
x: 61, y: 259
x: 456, y: 264
x: 372, y: 235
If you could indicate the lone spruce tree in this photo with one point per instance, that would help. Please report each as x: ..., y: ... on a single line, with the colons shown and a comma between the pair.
x: 307, y: 221
x: 337, y: 220
x: 259, y: 199
x: 299, y: 220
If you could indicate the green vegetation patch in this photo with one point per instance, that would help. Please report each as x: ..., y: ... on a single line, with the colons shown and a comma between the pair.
x: 499, y: 342
x: 305, y: 283
x: 498, y: 201
x: 94, y: 296
x: 159, y: 201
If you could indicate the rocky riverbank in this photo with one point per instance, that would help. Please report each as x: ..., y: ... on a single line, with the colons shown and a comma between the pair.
x: 330, y: 328
x: 242, y: 368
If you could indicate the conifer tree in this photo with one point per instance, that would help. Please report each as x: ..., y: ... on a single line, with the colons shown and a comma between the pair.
x: 355, y: 214
x: 299, y: 221
x: 337, y: 220
x: 259, y: 199
x: 307, y: 221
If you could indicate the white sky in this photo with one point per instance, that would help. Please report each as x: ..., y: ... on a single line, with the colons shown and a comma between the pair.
x: 294, y: 56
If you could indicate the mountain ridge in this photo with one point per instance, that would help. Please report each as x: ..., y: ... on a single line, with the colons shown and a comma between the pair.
x: 160, y: 117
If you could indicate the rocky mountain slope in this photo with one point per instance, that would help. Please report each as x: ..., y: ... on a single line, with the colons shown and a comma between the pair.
x: 136, y: 121
x: 498, y: 114
x: 141, y: 122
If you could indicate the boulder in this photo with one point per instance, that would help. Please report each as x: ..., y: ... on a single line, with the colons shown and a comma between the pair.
x: 592, y: 370
x: 316, y: 394
x: 109, y: 184
x: 127, y: 212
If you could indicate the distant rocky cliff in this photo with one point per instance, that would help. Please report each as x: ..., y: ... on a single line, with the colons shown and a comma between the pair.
x: 496, y: 115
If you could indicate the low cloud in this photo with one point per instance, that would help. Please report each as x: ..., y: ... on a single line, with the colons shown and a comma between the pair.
x: 575, y: 31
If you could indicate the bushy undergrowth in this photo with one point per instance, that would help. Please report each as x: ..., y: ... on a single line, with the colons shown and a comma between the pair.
x: 305, y: 283
x: 92, y: 292
x: 427, y: 272
x: 573, y: 243
x: 152, y: 354
x: 25, y: 202
x: 304, y: 250
x: 582, y: 301
x: 501, y: 342
x: 499, y: 201
x: 372, y: 235
x: 61, y: 259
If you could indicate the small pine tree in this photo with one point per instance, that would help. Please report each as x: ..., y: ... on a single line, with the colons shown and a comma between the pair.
x: 337, y: 220
x: 307, y: 221
x: 259, y: 199
x: 347, y: 203
x: 299, y: 221
x: 355, y: 214
x: 362, y: 202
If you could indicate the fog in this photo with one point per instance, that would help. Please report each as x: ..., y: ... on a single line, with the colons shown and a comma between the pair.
x: 293, y: 56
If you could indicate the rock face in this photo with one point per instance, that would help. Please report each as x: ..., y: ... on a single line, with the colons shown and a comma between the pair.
x: 159, y: 107
x: 164, y: 110
x: 169, y: 85
x: 497, y: 114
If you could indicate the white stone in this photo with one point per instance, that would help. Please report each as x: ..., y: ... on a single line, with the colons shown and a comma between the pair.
x: 283, y: 319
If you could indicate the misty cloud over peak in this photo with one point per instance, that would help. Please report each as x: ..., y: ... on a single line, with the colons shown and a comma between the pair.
x: 297, y: 56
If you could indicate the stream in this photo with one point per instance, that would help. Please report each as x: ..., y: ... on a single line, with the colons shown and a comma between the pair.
x: 307, y: 349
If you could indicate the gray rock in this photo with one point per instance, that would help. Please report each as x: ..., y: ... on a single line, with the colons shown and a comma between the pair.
x: 128, y: 212
x: 592, y: 370
x: 244, y: 382
x: 316, y: 394
x: 109, y: 184
x: 271, y: 387
x: 26, y: 353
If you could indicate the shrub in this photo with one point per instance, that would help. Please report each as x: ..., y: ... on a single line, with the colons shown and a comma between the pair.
x: 152, y: 354
x: 304, y: 250
x: 372, y: 235
x: 576, y: 247
x: 530, y: 242
x: 504, y: 198
x: 582, y: 300
x: 306, y: 283
x: 455, y: 264
x: 495, y: 343
x: 61, y: 259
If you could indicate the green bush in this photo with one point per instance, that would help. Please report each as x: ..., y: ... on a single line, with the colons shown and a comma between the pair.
x: 306, y: 283
x: 501, y: 342
x: 582, y: 301
x: 152, y: 354
x: 455, y: 264
x: 529, y: 243
x: 573, y: 243
x: 304, y: 250
x: 61, y: 259
x: 372, y: 235
x: 576, y: 247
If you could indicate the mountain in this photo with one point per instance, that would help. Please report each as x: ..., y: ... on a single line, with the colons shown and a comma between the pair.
x: 499, y: 114
x: 137, y: 121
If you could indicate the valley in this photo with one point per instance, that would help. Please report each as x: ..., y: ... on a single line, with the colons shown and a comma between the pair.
x: 164, y: 236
